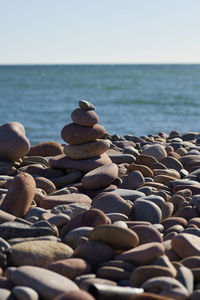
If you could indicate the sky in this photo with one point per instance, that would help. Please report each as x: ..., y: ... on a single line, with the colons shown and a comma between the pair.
x: 99, y: 31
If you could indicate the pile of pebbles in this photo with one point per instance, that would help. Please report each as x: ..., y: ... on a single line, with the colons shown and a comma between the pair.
x: 101, y: 216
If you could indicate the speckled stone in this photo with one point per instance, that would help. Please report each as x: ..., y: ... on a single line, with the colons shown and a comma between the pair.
x: 18, y: 203
x: 86, y: 105
x: 46, y: 283
x: 39, y: 253
x: 117, y: 237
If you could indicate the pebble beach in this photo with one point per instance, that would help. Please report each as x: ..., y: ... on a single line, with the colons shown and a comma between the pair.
x: 99, y: 216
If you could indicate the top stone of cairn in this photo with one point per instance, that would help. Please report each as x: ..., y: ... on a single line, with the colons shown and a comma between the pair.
x: 86, y: 105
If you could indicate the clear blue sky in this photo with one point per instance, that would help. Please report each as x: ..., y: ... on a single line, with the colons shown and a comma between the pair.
x: 99, y: 31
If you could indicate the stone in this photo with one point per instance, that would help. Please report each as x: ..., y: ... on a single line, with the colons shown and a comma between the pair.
x: 143, y: 273
x: 86, y: 105
x: 121, y: 158
x: 45, y: 184
x: 113, y: 273
x: 92, y: 218
x: 25, y: 293
x: 127, y: 194
x: 85, y: 165
x: 157, y: 151
x: 118, y: 238
x: 147, y: 234
x: 149, y: 296
x: 51, y: 201
x: 166, y: 286
x: 84, y: 117
x: 39, y: 253
x: 168, y: 172
x: 185, y: 276
x: 169, y: 222
x: 75, y: 134
x: 71, y: 267
x: 70, y: 210
x: 46, y: 283
x: 146, y: 160
x: 72, y: 238
x: 6, y: 217
x: 185, y: 245
x: 133, y: 180
x: 87, y: 150
x: 172, y: 163
x: 62, y: 181
x: 13, y: 141
x: 75, y: 295
x: 145, y: 210
x: 20, y: 195
x: 111, y: 202
x: 143, y: 254
x: 145, y: 170
x: 94, y: 252
x: 100, y: 177
x: 46, y: 149
x: 5, y: 294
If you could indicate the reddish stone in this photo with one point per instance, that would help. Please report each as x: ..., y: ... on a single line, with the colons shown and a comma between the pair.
x: 46, y: 149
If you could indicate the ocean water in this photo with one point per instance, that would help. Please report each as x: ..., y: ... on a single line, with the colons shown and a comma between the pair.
x: 129, y: 99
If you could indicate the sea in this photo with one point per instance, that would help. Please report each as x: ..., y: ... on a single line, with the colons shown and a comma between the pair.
x: 133, y: 99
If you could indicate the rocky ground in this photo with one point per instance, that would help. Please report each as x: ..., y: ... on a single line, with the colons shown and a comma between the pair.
x: 101, y: 216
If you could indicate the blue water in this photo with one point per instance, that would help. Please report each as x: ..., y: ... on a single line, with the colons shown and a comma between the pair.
x: 135, y: 99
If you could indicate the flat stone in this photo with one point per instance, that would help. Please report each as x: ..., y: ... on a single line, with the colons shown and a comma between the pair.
x: 157, y: 151
x: 86, y: 105
x: 75, y: 295
x: 117, y: 237
x: 143, y: 254
x: 113, y: 273
x: 94, y: 252
x: 85, y: 165
x: 71, y: 267
x: 25, y: 293
x: 147, y: 234
x: 51, y: 201
x: 13, y: 141
x: 121, y: 158
x: 186, y: 245
x: 46, y: 149
x: 172, y: 163
x: 144, y: 273
x: 100, y: 177
x: 87, y: 150
x: 45, y: 184
x: 146, y: 160
x: 39, y: 253
x: 6, y: 217
x: 112, y: 202
x: 46, y: 283
x: 70, y: 210
x: 73, y: 236
x: 145, y: 210
x: 62, y: 181
x: 92, y: 218
x: 20, y: 195
x: 75, y: 134
x: 84, y: 117
x: 169, y: 222
x: 168, y: 172
x: 145, y: 170
x: 166, y: 286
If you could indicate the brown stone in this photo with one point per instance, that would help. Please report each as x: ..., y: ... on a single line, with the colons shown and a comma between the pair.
x: 13, y: 142
x: 46, y: 149
x: 75, y: 295
x: 146, y: 171
x: 92, y: 217
x: 143, y: 254
x: 117, y: 237
x: 87, y: 150
x: 185, y: 245
x: 75, y: 134
x: 86, y: 105
x: 85, y: 165
x: 71, y: 267
x: 146, y: 160
x: 169, y: 222
x: 100, y: 177
x: 133, y: 180
x: 6, y: 217
x: 113, y: 273
x: 157, y: 151
x: 45, y: 184
x: 20, y: 195
x: 84, y: 117
x: 147, y: 234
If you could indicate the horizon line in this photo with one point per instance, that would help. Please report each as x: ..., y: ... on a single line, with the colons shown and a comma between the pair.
x: 98, y: 63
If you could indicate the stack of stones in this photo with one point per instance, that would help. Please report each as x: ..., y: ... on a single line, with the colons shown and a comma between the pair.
x: 85, y: 150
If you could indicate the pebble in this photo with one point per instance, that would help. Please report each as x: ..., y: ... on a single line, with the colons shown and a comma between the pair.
x: 100, y: 177
x: 25, y: 293
x: 117, y: 237
x: 145, y: 210
x: 84, y: 117
x: 133, y: 180
x: 147, y: 234
x: 87, y: 150
x: 13, y: 141
x: 156, y: 151
x: 46, y: 149
x: 39, y: 253
x: 86, y: 105
x: 185, y: 245
x: 46, y: 283
x: 75, y: 295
